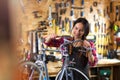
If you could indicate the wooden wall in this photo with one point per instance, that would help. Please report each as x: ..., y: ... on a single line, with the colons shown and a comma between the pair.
x: 101, y: 13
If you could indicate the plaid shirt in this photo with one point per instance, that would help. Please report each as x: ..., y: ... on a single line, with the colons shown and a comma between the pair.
x: 58, y: 42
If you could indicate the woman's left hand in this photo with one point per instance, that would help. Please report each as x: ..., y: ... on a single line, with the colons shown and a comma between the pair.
x: 86, y: 44
x: 89, y: 52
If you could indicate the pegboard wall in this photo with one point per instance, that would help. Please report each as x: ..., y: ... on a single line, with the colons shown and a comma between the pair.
x: 59, y: 15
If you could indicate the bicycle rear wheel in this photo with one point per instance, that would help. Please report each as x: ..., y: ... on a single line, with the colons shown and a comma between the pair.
x: 70, y: 74
x: 30, y: 71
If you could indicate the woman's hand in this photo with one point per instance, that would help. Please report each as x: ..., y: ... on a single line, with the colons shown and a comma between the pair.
x: 89, y: 52
x: 86, y: 44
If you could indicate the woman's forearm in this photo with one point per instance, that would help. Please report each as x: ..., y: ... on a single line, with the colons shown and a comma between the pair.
x: 90, y: 57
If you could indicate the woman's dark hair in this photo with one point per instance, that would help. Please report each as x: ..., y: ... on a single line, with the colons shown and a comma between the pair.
x: 85, y: 24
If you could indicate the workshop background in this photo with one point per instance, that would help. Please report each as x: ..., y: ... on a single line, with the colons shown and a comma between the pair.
x: 57, y: 16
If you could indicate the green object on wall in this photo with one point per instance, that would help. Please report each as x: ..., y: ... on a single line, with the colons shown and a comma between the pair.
x: 116, y: 28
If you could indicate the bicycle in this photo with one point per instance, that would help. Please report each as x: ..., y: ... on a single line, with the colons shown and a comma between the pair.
x: 66, y: 72
x: 40, y: 67
x: 29, y: 70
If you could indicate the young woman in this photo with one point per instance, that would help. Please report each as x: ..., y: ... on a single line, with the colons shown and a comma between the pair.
x: 80, y: 30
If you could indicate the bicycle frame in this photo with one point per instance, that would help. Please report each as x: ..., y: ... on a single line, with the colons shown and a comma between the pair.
x: 66, y: 63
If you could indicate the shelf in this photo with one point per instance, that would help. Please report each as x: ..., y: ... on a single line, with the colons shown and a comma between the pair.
x: 97, y: 72
x: 93, y: 75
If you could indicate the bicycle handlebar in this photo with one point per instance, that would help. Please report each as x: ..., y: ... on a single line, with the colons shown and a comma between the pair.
x: 64, y: 51
x: 66, y: 42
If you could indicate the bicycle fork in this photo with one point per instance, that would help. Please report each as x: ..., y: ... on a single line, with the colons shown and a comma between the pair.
x: 68, y: 74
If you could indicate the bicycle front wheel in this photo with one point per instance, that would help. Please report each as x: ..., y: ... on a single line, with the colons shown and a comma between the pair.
x: 30, y: 71
x: 70, y: 73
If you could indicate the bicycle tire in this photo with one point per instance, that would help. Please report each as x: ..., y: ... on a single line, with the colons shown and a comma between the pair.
x: 72, y: 69
x: 32, y: 71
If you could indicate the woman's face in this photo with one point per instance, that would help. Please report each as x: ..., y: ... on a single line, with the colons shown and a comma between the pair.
x: 78, y: 31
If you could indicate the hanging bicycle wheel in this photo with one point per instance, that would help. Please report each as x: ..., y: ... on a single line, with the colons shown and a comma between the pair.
x: 30, y: 71
x: 71, y: 74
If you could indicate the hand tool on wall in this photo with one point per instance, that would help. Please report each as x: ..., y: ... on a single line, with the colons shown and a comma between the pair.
x: 63, y: 7
x: 55, y: 16
x: 82, y: 2
x: 42, y: 25
x: 57, y: 10
x: 38, y: 1
x: 63, y: 28
x: 62, y: 11
x: 107, y: 13
x: 36, y: 14
x: 91, y: 9
x: 94, y: 17
x: 67, y: 25
x: 54, y: 26
x: 95, y: 3
x: 82, y: 13
x: 111, y: 6
x: 75, y: 7
x: 56, y: 6
x: 95, y: 27
x: 117, y: 13
x: 72, y: 1
x: 70, y: 25
x: 104, y: 13
x: 71, y: 12
x: 50, y: 16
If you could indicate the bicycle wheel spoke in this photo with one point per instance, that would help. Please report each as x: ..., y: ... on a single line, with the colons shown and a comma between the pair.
x: 29, y: 71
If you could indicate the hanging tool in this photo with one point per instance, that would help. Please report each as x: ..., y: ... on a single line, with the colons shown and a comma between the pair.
x: 111, y: 6
x: 55, y: 16
x: 50, y: 16
x: 95, y: 3
x: 91, y: 9
x: 71, y: 12
x: 82, y: 2
x: 67, y: 24
x: 54, y: 26
x: 117, y: 13
x: 63, y: 7
x: 57, y: 8
x: 82, y: 13
x: 94, y: 17
x: 38, y: 1
x: 63, y: 28
x: 36, y: 14
x: 72, y: 1
x: 71, y: 24
x: 75, y: 7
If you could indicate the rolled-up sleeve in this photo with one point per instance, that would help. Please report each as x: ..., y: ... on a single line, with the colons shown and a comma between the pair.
x: 94, y: 54
x: 55, y: 42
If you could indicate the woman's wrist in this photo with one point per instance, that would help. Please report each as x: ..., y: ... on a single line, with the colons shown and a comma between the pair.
x: 91, y: 58
x: 47, y: 39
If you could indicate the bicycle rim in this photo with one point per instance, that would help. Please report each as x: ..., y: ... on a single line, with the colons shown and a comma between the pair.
x: 30, y: 71
x: 71, y: 69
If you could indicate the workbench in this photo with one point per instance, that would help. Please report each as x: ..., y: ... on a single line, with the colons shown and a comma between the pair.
x: 109, y: 66
x: 94, y: 72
